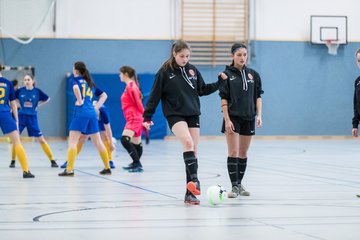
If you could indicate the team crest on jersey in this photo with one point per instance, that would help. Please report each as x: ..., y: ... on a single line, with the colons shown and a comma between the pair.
x: 250, y: 76
x: 192, y: 74
x: 28, y: 104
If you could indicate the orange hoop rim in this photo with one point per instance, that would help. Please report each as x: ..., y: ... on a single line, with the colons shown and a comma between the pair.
x: 330, y: 42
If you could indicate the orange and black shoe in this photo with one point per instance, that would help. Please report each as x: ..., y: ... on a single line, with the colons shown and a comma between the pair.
x: 191, y: 199
x: 194, y: 187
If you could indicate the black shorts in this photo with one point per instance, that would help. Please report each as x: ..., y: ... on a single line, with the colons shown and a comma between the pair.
x: 242, y: 127
x: 192, y: 121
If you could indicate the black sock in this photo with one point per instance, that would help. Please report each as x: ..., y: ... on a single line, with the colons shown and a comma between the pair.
x: 242, y: 163
x: 232, y: 166
x: 188, y: 179
x: 125, y: 141
x: 191, y: 165
x: 139, y: 149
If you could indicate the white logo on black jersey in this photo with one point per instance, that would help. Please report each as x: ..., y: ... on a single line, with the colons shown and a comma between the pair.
x: 172, y: 76
x: 232, y: 78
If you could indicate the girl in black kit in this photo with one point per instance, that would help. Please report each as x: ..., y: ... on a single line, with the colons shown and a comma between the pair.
x: 241, y: 105
x: 178, y: 85
x: 356, y: 118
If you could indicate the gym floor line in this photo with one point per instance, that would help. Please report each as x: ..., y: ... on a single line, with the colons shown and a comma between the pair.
x: 300, y: 189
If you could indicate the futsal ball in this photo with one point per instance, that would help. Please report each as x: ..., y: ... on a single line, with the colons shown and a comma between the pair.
x: 215, y: 194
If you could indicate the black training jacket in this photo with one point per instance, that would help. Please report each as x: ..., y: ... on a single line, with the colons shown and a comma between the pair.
x: 241, y: 89
x: 179, y: 92
x: 356, y: 118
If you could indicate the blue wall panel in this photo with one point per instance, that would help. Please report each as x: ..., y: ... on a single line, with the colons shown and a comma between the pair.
x: 307, y: 91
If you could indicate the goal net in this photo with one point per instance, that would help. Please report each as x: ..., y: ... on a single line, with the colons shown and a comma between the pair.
x: 23, y: 20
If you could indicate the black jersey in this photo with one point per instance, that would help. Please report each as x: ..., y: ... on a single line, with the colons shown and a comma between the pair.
x: 179, y: 92
x: 241, y: 89
x: 356, y: 118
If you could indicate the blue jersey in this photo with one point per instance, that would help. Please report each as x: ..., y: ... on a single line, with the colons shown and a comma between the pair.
x: 98, y: 92
x: 29, y: 99
x: 87, y: 93
x: 7, y: 94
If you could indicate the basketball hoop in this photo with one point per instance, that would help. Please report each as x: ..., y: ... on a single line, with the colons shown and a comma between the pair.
x: 332, y: 46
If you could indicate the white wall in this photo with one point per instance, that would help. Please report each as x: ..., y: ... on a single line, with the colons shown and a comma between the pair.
x: 26, y: 18
x: 289, y: 20
x: 116, y: 19
x: 277, y: 20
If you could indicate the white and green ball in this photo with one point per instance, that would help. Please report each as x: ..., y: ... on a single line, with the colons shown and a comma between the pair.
x: 215, y: 194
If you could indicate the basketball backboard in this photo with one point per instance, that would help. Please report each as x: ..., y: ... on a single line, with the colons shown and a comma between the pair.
x: 324, y: 29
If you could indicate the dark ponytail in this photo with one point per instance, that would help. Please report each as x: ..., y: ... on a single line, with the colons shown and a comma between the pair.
x: 131, y: 73
x: 81, y: 67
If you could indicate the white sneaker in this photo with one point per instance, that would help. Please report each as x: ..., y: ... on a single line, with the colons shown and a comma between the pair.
x: 235, y: 191
x: 243, y: 191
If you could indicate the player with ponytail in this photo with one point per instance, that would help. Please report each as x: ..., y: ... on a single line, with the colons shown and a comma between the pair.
x: 133, y: 110
x: 85, y: 119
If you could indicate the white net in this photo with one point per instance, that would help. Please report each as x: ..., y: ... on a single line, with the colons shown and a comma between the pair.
x: 332, y: 47
x: 23, y: 20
